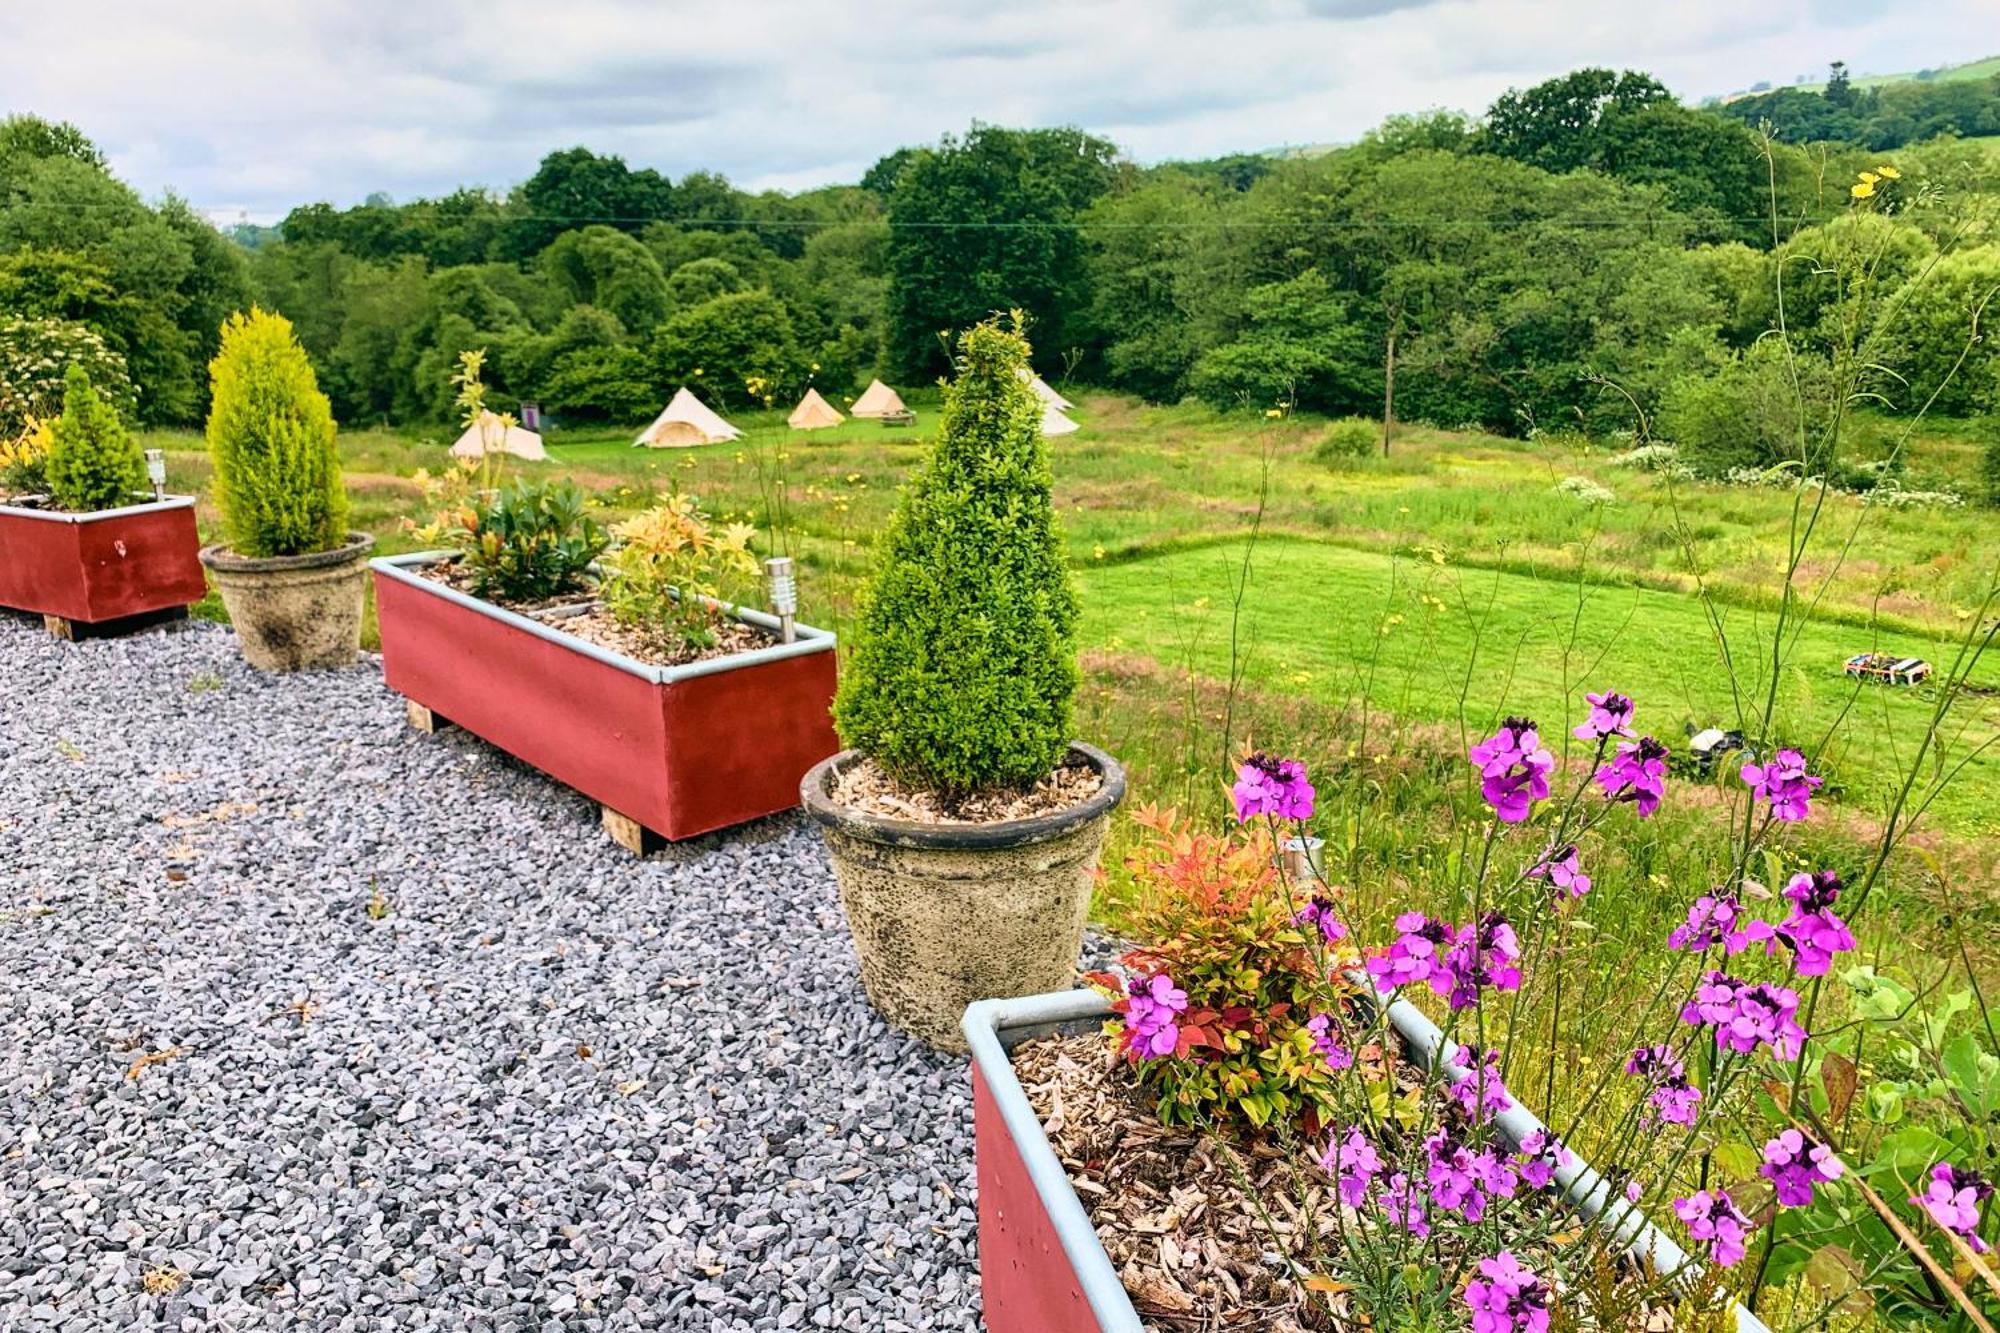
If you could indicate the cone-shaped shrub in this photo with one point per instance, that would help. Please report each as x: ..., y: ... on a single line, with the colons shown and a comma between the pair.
x: 270, y: 432
x: 93, y: 461
x: 964, y: 662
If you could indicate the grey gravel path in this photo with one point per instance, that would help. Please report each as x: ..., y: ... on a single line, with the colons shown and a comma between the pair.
x: 540, y: 1085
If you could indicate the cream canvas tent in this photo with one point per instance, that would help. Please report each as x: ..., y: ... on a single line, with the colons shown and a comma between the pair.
x: 1043, y: 391
x: 813, y: 412
x: 486, y: 438
x: 687, y: 421
x: 1054, y: 422
x: 877, y: 400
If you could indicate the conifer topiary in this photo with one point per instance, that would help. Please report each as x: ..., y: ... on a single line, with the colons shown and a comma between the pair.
x: 93, y: 462
x: 964, y: 662
x: 270, y: 433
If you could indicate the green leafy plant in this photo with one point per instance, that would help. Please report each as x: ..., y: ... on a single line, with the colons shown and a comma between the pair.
x: 964, y: 663
x: 1349, y: 437
x: 674, y: 572
x: 270, y: 433
x: 530, y: 541
x: 92, y: 460
x: 35, y: 356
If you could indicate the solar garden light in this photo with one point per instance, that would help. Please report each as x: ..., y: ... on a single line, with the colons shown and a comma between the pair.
x: 784, y: 594
x: 156, y: 472
x: 1303, y: 859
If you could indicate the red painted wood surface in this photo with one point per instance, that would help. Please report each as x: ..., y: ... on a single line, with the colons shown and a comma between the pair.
x: 103, y: 569
x: 1025, y: 1281
x: 682, y: 758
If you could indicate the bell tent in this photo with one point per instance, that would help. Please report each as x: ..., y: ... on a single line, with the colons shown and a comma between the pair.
x: 1054, y: 422
x: 487, y: 437
x: 1043, y: 391
x: 813, y: 413
x: 687, y: 421
x: 877, y: 400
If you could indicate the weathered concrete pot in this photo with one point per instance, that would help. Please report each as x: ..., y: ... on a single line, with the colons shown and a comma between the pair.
x: 295, y: 612
x: 945, y: 914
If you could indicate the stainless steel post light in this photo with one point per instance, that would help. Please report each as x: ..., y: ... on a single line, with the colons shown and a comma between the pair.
x: 784, y: 594
x: 156, y: 472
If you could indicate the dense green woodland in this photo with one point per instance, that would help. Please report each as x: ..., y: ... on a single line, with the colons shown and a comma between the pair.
x: 1591, y: 253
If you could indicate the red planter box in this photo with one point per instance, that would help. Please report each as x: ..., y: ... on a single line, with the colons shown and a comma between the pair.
x: 681, y: 750
x: 108, y: 565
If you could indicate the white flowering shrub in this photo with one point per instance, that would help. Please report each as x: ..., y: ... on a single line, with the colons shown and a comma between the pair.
x: 34, y: 356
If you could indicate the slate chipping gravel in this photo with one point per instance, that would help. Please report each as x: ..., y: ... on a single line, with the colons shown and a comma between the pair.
x: 552, y: 1087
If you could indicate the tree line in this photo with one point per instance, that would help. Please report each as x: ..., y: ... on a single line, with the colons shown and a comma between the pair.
x: 1589, y: 253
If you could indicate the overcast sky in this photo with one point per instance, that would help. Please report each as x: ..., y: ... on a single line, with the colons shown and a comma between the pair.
x: 252, y: 106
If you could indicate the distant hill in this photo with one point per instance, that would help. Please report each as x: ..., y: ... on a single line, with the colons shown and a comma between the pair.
x: 1972, y: 69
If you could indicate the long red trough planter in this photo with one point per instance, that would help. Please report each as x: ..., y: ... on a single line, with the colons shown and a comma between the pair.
x: 678, y: 750
x: 114, y: 564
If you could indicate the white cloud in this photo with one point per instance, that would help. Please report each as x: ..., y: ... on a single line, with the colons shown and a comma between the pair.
x: 247, y: 105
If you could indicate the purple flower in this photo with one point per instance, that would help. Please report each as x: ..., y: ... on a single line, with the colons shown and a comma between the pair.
x: 1507, y: 1298
x: 1952, y: 1199
x: 1153, y: 1005
x: 1745, y: 1016
x: 1541, y: 1153
x: 1674, y: 1100
x: 1717, y: 918
x: 1454, y: 1183
x: 1480, y: 1093
x: 1785, y: 783
x: 1320, y: 912
x: 1794, y: 1166
x: 1403, y: 1203
x: 1352, y: 1159
x: 1713, y: 1216
x: 1415, y: 956
x: 1561, y: 868
x: 1637, y: 773
x: 1480, y: 956
x: 1813, y: 931
x: 1326, y: 1042
x: 1268, y: 785
x: 1513, y: 769
x: 1610, y: 715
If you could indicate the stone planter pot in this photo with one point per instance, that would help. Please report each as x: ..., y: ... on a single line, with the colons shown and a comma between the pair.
x: 674, y: 751
x: 97, y: 569
x: 945, y: 914
x: 295, y: 612
x: 1042, y: 1268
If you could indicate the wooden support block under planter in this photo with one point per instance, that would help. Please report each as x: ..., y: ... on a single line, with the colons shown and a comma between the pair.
x: 629, y: 833
x: 423, y: 719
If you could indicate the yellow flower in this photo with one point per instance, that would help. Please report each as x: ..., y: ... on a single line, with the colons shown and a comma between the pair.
x: 1890, y: 173
x: 1273, y: 412
x: 1869, y: 177
x: 1097, y: 551
x: 1862, y: 191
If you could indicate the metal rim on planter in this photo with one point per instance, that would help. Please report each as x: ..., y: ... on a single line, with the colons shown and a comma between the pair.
x: 818, y: 782
x: 994, y: 1027
x: 18, y: 506
x: 225, y: 561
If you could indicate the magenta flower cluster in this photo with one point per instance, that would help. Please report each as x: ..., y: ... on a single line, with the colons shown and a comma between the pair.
x: 1952, y: 1198
x: 1507, y: 1298
x: 1563, y: 869
x: 1785, y: 783
x: 1326, y: 1042
x: 1153, y: 1008
x: 1794, y: 1166
x: 1354, y: 1164
x: 1268, y: 785
x: 1320, y: 912
x: 1610, y: 715
x: 1457, y: 962
x: 1479, y: 1093
x: 1514, y: 768
x: 1713, y: 1217
x: 1637, y: 773
x: 1671, y: 1098
x: 1815, y: 933
x: 1746, y: 1016
x: 1717, y: 918
x: 1458, y: 1177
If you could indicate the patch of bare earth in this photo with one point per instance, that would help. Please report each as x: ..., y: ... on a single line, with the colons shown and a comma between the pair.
x: 865, y: 787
